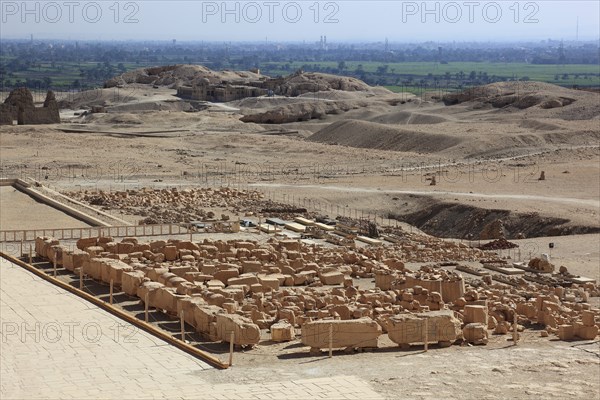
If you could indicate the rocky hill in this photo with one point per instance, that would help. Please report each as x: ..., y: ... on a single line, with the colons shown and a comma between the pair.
x: 292, y: 85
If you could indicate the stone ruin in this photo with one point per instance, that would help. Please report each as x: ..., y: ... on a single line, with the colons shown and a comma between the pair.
x: 255, y: 289
x: 19, y: 106
x: 170, y: 205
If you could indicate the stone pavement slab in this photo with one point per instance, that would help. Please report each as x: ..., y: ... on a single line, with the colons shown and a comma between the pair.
x: 56, y: 345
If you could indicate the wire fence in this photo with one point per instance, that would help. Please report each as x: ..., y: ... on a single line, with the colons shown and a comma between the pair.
x: 82, y: 233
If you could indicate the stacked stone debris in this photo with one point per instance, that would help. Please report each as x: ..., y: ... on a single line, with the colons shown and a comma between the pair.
x: 171, y: 205
x: 499, y: 244
x: 250, y: 288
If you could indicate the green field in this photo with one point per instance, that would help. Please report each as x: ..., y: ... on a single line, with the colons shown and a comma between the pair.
x: 414, y: 77
x: 64, y: 74
x: 577, y: 74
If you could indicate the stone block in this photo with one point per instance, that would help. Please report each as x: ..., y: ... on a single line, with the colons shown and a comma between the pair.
x: 154, y: 273
x: 332, y: 278
x: 342, y: 310
x: 188, y: 305
x: 165, y: 277
x: 282, y: 331
x: 269, y: 281
x: 166, y: 299
x: 170, y: 253
x: 130, y: 239
x: 586, y: 332
x: 501, y: 328
x: 476, y: 333
x: 290, y: 245
x: 225, y: 274
x: 93, y: 268
x: 246, y: 333
x: 257, y: 288
x: 230, y: 307
x: 55, y: 253
x: 157, y: 246
x: 476, y: 314
x: 125, y: 247
x: 45, y: 247
x: 527, y: 309
x: 245, y: 245
x: 244, y: 279
x: 215, y: 283
x: 588, y: 318
x: 150, y: 289
x: 38, y: 245
x: 84, y: 243
x: 113, y: 270
x: 187, y: 245
x: 94, y: 251
x: 566, y: 332
x: 104, y: 239
x: 251, y: 266
x: 208, y: 269
x: 288, y: 315
x: 131, y: 281
x: 383, y: 281
x: 204, y: 316
x: 182, y: 270
x: 357, y: 333
x: 409, y: 328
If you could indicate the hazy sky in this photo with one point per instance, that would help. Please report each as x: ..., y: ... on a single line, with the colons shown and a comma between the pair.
x: 354, y: 20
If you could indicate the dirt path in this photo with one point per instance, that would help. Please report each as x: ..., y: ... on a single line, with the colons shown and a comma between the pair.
x: 592, y: 203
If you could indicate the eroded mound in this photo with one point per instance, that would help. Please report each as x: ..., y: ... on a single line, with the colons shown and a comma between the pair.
x: 99, y: 97
x: 308, y: 82
x: 177, y: 75
x: 372, y: 135
x: 292, y: 85
x: 408, y: 118
x: 303, y: 111
x: 521, y: 95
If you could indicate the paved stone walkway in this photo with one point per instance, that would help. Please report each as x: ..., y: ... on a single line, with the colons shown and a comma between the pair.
x: 55, y: 345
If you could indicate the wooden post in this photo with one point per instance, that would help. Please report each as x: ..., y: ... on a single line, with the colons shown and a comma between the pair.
x: 191, y: 233
x: 182, y: 322
x: 30, y: 255
x: 21, y: 253
x: 330, y: 340
x: 231, y: 340
x: 426, y: 334
x: 110, y: 299
x: 515, y: 333
x: 81, y: 278
x: 54, y: 265
x: 146, y: 307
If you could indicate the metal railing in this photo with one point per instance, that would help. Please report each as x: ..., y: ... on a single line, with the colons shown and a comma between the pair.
x: 95, y: 231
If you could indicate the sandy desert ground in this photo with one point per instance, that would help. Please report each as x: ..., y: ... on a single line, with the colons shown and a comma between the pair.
x: 378, y: 156
x: 375, y: 152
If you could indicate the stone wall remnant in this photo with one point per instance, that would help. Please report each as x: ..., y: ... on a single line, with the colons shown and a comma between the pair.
x: 19, y: 106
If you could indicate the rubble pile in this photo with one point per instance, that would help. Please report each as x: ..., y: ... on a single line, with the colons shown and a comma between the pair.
x: 499, y: 244
x: 251, y: 288
x: 172, y: 205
